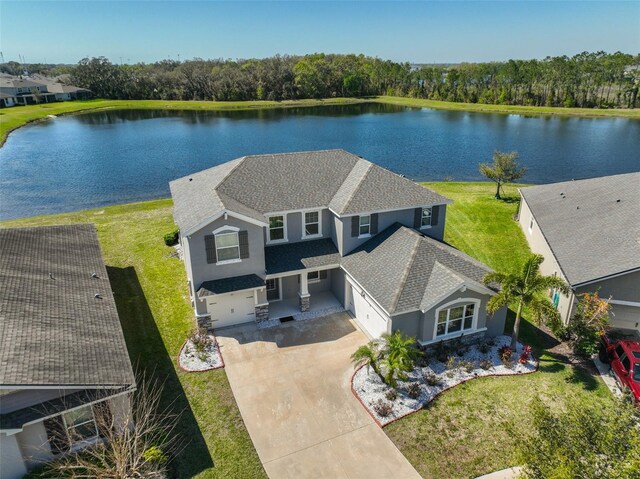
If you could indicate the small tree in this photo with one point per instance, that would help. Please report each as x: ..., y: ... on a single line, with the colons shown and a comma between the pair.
x: 399, y: 355
x: 525, y: 289
x: 369, y: 355
x: 504, y: 169
x: 136, y: 443
x: 585, y: 441
x: 588, y: 324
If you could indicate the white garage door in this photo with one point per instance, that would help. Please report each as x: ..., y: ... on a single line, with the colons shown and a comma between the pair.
x: 230, y: 309
x: 374, y: 324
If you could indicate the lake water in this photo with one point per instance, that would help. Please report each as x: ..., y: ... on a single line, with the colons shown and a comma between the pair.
x: 97, y: 159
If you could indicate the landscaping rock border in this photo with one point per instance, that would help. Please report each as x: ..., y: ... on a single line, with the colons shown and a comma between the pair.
x: 189, y: 361
x: 369, y: 388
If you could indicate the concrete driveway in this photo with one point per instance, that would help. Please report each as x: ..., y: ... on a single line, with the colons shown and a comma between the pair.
x: 292, y: 385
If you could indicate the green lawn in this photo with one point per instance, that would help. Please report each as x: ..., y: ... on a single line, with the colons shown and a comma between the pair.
x: 459, y: 435
x: 516, y: 109
x: 462, y: 433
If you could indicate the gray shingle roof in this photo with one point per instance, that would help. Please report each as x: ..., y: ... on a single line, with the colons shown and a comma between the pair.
x: 296, y: 256
x: 590, y: 225
x: 227, y: 285
x: 261, y: 184
x: 404, y: 270
x: 53, y: 331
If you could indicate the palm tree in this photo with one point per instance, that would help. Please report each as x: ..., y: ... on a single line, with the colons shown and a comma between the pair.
x: 399, y: 355
x: 369, y: 355
x: 527, y: 289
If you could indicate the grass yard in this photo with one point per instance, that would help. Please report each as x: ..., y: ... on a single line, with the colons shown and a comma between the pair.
x: 462, y: 433
x: 152, y: 299
x: 509, y: 109
x: 459, y: 435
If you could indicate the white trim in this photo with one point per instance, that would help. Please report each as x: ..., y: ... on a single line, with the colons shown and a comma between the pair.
x: 304, y: 224
x: 210, y: 220
x: 300, y: 271
x: 226, y: 231
x: 226, y: 228
x: 279, y: 280
x: 426, y: 227
x: 285, y: 238
x: 451, y: 336
x: 317, y: 280
x: 462, y: 302
x: 364, y: 236
x: 388, y: 210
x: 360, y: 225
x: 635, y: 304
x: 228, y: 261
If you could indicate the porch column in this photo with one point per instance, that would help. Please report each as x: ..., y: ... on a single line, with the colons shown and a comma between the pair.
x: 261, y: 305
x: 304, y: 292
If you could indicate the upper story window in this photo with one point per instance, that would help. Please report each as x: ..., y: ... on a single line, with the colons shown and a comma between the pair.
x: 426, y: 218
x: 459, y: 317
x: 311, y: 224
x: 365, y: 225
x: 227, y: 247
x: 277, y: 229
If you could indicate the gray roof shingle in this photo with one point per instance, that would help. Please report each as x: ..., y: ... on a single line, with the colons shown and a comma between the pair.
x: 590, y: 225
x: 53, y: 330
x: 404, y: 270
x: 228, y: 285
x: 257, y: 185
x: 302, y: 255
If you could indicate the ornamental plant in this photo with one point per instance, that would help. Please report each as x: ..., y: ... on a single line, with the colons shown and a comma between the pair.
x: 525, y: 355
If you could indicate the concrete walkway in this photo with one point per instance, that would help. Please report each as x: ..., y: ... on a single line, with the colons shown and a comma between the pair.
x: 508, y: 473
x: 292, y: 385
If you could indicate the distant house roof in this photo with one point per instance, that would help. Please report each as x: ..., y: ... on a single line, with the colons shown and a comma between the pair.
x: 53, y: 328
x: 6, y: 95
x: 592, y: 226
x: 257, y: 185
x: 18, y: 83
x: 404, y: 270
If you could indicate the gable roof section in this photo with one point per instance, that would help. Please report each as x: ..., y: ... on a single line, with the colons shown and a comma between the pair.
x: 255, y: 186
x: 53, y: 330
x: 404, y: 270
x: 283, y: 258
x: 590, y: 225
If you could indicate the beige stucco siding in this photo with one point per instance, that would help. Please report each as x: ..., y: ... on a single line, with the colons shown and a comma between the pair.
x: 539, y: 245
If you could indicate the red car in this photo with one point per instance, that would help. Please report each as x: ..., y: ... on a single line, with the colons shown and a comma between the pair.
x: 624, y: 357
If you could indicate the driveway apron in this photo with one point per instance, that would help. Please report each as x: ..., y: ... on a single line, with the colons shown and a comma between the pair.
x: 292, y: 385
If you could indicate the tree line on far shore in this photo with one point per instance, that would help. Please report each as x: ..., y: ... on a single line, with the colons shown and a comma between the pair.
x: 586, y: 80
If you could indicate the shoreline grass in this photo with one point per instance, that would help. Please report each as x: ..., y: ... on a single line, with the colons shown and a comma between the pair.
x: 18, y: 116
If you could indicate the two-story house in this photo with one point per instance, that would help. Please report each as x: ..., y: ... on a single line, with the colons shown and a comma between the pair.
x: 266, y: 236
x: 589, y: 234
x: 65, y: 373
x: 26, y: 92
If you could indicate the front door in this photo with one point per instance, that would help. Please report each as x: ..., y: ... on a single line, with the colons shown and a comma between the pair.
x: 273, y: 289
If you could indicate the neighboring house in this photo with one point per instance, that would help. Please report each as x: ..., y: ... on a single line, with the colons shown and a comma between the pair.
x: 271, y: 236
x: 63, y: 358
x: 589, y: 233
x: 7, y: 100
x: 62, y: 90
x: 26, y: 92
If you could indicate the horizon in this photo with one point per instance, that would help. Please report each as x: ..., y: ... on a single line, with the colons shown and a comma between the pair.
x: 416, y: 33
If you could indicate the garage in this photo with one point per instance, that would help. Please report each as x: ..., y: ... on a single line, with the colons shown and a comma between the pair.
x: 232, y: 308
x: 369, y: 318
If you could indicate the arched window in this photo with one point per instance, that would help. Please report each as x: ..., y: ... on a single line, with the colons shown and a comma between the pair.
x: 457, y: 317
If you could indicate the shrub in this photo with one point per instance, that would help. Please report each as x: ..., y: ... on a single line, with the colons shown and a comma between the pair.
x: 505, y: 353
x: 468, y: 366
x: 391, y: 395
x: 462, y: 351
x: 202, y: 342
x: 154, y: 454
x: 491, y: 342
x: 441, y: 352
x: 486, y: 364
x: 382, y: 408
x: 431, y: 379
x: 171, y: 239
x: 524, y: 356
x: 484, y: 348
x: 413, y: 391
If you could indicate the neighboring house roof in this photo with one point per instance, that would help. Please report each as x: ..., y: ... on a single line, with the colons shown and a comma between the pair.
x: 228, y: 285
x: 590, y: 225
x: 404, y: 270
x: 6, y: 95
x: 263, y: 184
x: 53, y: 330
x: 301, y: 255
x: 60, y: 88
x: 18, y: 83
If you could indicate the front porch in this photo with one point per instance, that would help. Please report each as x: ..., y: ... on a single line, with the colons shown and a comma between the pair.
x: 321, y: 304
